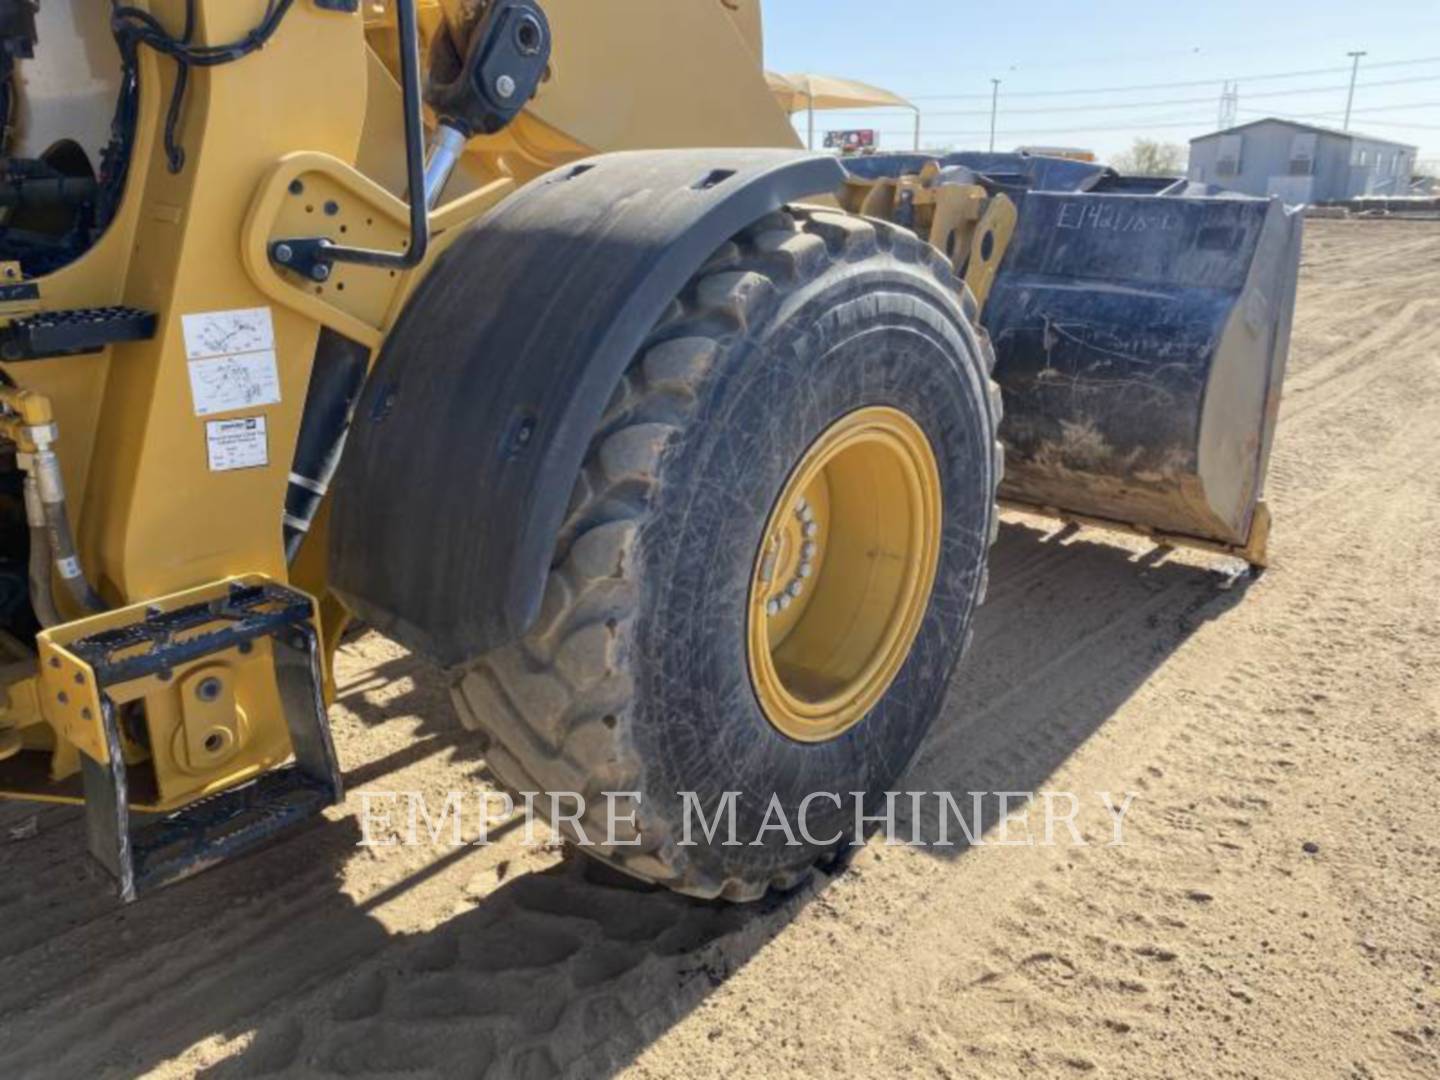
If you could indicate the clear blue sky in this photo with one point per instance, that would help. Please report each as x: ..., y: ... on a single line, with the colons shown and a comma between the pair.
x: 1050, y: 53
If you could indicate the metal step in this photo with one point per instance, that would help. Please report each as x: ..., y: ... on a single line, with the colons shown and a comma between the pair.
x: 224, y: 826
x: 145, y: 856
x: 73, y: 332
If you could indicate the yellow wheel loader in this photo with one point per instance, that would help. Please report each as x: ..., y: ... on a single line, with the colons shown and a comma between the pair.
x: 682, y: 462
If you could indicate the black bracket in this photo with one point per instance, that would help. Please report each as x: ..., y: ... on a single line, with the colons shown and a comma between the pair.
x: 308, y: 256
x: 508, y: 52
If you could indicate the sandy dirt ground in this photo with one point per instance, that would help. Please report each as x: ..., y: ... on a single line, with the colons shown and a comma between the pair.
x: 1274, y: 909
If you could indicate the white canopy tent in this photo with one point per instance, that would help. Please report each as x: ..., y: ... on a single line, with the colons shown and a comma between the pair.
x: 808, y: 93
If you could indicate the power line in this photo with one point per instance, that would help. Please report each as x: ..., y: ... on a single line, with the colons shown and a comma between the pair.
x: 1231, y: 48
x: 1176, y: 85
x: 1109, y: 105
x: 1305, y: 118
x: 1158, y: 125
x: 1385, y: 108
x: 1007, y: 132
x: 1336, y: 114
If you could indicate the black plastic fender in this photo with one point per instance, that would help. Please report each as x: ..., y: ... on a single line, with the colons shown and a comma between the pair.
x: 472, y: 429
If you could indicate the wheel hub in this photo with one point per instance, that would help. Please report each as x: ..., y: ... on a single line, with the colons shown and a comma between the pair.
x: 844, y: 574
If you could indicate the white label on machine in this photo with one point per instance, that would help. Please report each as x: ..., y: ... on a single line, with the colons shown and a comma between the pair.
x: 232, y: 360
x: 226, y: 383
x: 237, y: 444
x: 228, y: 333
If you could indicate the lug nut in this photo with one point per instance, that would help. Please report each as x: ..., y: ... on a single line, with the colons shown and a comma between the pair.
x: 505, y: 86
x: 805, y: 570
x: 811, y: 529
x: 785, y: 601
x: 807, y: 552
x: 773, y: 607
x: 796, y: 588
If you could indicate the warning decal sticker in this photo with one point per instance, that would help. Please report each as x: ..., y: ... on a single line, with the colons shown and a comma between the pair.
x: 232, y: 360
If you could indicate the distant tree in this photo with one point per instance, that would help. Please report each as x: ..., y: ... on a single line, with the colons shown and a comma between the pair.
x: 1425, y: 178
x: 1147, y: 157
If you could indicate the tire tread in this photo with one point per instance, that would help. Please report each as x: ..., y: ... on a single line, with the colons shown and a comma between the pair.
x: 551, y: 703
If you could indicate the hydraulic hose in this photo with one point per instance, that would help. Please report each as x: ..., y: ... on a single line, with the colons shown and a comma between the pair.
x: 30, y: 423
x: 56, y: 517
x: 42, y: 592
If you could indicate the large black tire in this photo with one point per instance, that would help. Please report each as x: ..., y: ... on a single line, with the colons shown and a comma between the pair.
x: 635, y: 677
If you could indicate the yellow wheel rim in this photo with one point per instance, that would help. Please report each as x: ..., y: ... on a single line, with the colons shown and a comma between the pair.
x: 844, y: 574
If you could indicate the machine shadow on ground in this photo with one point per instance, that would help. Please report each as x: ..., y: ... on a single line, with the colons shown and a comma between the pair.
x: 564, y: 970
x: 1073, y: 626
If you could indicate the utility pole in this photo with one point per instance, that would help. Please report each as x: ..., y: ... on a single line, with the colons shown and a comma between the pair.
x: 994, y: 108
x: 1354, y: 71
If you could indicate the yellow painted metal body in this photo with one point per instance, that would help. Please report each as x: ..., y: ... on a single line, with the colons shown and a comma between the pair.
x: 302, y: 137
x: 968, y: 225
x: 844, y: 574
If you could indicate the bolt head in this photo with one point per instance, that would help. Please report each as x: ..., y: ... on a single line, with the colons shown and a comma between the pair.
x: 320, y: 272
x: 505, y: 86
x: 283, y: 254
